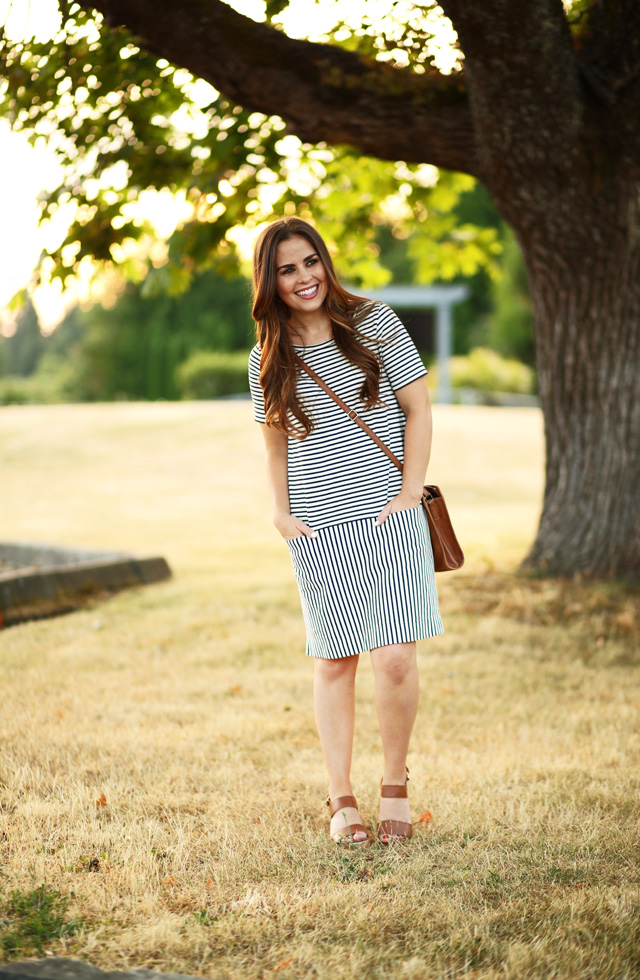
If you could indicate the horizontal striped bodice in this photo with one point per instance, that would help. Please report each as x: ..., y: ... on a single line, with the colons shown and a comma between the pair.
x: 337, y: 473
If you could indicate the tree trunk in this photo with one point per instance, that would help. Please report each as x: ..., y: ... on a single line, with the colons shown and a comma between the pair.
x: 555, y: 116
x: 586, y: 294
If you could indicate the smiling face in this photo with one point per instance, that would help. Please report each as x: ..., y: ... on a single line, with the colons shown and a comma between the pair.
x: 301, y: 278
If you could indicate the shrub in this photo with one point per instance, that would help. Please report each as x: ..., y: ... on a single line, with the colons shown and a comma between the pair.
x: 212, y: 374
x: 15, y: 391
x: 52, y: 383
x: 486, y: 370
x: 35, y: 390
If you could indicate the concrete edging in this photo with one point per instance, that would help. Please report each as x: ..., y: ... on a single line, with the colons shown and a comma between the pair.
x: 61, y: 968
x: 46, y: 580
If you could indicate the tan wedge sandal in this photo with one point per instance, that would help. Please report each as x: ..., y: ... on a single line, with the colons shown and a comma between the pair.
x: 394, y: 830
x: 346, y: 839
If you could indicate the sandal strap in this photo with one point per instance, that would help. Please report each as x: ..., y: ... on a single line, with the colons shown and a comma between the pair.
x: 394, y: 828
x: 394, y: 792
x: 340, y: 803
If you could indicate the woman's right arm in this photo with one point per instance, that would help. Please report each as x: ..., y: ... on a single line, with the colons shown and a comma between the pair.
x: 277, y: 444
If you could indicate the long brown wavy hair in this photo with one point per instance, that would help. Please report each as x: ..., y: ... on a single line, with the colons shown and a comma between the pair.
x: 278, y: 367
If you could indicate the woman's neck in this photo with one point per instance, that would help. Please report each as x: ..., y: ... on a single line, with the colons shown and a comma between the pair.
x: 312, y: 329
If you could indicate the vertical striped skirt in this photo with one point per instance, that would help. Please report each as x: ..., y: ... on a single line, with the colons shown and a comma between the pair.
x: 363, y: 586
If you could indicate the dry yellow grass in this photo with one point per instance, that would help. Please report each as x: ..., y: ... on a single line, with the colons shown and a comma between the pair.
x: 185, y: 709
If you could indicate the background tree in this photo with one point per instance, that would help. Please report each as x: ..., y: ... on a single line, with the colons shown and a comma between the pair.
x: 542, y: 109
x: 151, y: 343
x: 132, y: 349
x: 20, y: 353
x: 510, y: 324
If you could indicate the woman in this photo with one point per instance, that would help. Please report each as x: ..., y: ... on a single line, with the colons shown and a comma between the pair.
x: 354, y: 524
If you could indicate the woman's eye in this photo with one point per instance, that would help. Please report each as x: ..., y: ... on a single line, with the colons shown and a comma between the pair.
x: 312, y: 262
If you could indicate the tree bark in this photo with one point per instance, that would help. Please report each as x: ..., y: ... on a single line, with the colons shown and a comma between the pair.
x: 561, y: 159
x: 586, y: 290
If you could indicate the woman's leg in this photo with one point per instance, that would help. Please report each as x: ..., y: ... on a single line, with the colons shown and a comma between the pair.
x: 334, y: 701
x: 397, y: 691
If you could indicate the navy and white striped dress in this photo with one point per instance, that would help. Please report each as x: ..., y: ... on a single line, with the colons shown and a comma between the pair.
x: 361, y: 586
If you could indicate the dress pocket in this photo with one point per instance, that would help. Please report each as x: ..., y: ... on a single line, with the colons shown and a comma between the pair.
x: 407, y: 511
x: 293, y: 542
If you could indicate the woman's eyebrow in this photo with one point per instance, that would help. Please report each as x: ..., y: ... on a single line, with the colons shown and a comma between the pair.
x: 290, y: 265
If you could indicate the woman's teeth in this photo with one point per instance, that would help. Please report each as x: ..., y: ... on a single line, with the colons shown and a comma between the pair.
x: 310, y: 291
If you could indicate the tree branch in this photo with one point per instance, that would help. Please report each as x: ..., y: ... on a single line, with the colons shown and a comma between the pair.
x: 324, y: 93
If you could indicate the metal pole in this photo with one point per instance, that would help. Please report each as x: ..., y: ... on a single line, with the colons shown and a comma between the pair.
x: 443, y: 352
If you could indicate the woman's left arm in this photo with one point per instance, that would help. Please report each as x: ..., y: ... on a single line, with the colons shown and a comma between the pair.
x: 414, y: 402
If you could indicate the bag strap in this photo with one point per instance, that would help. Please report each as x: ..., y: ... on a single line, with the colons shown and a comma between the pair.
x: 350, y: 412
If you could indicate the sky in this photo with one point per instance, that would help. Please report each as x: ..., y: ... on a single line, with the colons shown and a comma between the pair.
x: 26, y: 171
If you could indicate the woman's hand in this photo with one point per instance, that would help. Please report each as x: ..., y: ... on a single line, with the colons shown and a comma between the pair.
x: 404, y: 501
x: 292, y: 527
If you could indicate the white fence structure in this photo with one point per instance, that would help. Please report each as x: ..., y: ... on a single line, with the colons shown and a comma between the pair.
x: 442, y: 299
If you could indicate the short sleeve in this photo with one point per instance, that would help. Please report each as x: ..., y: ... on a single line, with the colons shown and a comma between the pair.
x: 400, y: 359
x: 257, y: 396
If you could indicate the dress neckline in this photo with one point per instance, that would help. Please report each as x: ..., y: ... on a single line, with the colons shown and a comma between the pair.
x: 331, y: 340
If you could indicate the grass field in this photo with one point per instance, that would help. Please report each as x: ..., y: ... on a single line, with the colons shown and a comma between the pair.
x: 161, y: 783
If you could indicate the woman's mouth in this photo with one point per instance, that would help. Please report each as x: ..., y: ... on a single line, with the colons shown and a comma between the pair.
x: 310, y: 292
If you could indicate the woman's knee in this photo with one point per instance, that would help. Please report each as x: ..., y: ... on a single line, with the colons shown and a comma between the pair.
x: 395, y: 662
x: 335, y: 670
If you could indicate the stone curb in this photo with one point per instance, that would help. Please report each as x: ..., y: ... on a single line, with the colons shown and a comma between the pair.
x: 61, y: 968
x: 46, y: 580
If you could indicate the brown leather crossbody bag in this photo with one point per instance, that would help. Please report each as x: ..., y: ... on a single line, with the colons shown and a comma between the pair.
x: 447, y: 553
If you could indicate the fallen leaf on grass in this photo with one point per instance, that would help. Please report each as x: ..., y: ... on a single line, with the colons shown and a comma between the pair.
x: 626, y: 621
x: 283, y: 965
x: 101, y: 801
x: 425, y: 818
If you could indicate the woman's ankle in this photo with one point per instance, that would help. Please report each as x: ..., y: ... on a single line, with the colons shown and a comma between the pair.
x: 341, y: 787
x: 395, y: 775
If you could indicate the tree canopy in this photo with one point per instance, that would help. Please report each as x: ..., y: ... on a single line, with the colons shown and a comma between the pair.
x: 122, y: 120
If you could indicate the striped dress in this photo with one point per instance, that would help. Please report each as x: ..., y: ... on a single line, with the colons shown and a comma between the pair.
x: 361, y: 586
